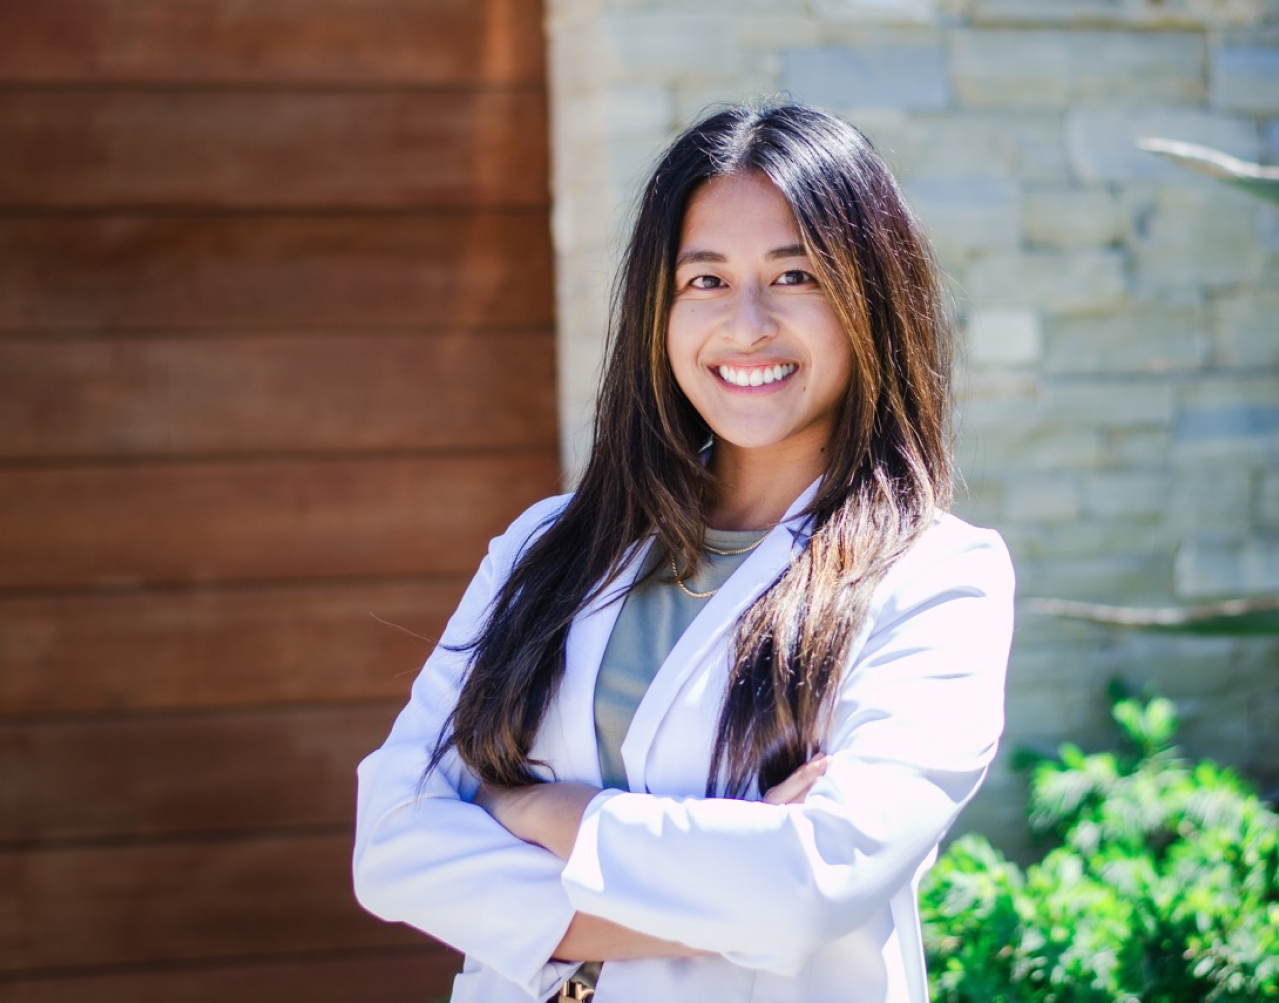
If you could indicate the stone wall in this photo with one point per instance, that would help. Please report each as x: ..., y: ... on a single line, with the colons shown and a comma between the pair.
x: 1119, y: 415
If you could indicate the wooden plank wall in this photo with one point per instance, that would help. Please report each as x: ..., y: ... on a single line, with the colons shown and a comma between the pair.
x: 276, y: 354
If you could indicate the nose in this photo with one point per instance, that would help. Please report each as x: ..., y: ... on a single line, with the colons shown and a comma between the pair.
x: 750, y: 320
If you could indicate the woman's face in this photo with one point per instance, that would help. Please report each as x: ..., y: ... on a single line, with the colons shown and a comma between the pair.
x: 752, y: 338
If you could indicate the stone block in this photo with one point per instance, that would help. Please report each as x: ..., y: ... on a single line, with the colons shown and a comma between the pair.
x: 631, y: 160
x: 694, y: 100
x: 1086, y: 282
x: 1137, y: 13
x: 1060, y: 69
x: 643, y: 111
x: 1139, y: 338
x: 579, y: 122
x: 1073, y: 217
x: 1067, y: 662
x: 773, y: 32
x: 733, y: 7
x: 587, y: 209
x: 1114, y: 404
x: 972, y: 145
x: 876, y: 11
x: 1253, y: 387
x: 1024, y: 449
x: 1102, y: 142
x: 1044, y: 498
x: 1193, y: 233
x: 911, y: 77
x: 1175, y: 665
x: 1147, y: 447
x: 1228, y: 421
x: 1092, y: 536
x: 1216, y: 414
x: 1054, y: 711
x: 1125, y: 493
x: 664, y: 46
x: 1106, y: 578
x: 1267, y: 505
x: 1209, y: 497
x: 995, y: 398
x: 1003, y: 337
x: 573, y: 39
x: 1222, y: 564
x: 1245, y: 77
x: 1246, y: 327
x: 968, y: 215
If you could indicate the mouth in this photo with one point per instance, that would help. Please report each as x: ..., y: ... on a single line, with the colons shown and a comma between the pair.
x: 755, y: 376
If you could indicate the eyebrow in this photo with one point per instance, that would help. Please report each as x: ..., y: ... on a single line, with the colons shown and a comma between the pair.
x: 714, y: 257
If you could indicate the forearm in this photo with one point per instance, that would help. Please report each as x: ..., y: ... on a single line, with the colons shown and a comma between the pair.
x: 590, y: 938
x: 548, y: 815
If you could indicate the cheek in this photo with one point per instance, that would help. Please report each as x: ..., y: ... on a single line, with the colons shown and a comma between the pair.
x: 681, y: 351
x: 835, y: 369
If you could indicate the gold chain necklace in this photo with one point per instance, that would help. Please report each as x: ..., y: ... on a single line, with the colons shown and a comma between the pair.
x: 714, y: 550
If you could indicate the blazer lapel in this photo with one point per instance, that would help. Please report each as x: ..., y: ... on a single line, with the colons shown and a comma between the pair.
x: 584, y: 650
x: 708, y: 631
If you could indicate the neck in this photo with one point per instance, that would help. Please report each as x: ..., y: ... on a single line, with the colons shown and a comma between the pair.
x: 757, y: 486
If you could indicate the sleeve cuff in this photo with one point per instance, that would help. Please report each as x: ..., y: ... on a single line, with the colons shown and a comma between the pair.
x: 582, y: 875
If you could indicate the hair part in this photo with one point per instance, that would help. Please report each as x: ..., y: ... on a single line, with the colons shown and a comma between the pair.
x: 888, y: 475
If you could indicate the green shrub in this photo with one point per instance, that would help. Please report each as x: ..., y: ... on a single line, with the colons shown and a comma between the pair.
x: 1161, y: 884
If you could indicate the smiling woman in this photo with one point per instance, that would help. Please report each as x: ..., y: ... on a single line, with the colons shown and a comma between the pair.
x: 697, y: 729
x: 754, y: 342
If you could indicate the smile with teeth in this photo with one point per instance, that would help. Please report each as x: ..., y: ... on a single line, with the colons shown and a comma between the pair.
x: 754, y: 376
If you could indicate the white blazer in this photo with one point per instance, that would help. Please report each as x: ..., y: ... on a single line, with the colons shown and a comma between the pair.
x: 808, y: 903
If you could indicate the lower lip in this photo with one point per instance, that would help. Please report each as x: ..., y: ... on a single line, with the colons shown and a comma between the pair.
x: 763, y: 388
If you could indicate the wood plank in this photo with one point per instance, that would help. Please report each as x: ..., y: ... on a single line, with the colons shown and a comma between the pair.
x: 254, y: 149
x: 179, y: 774
x: 488, y: 42
x: 405, y: 975
x: 194, y: 396
x: 183, y: 901
x: 219, y: 648
x: 445, y: 268
x: 289, y: 520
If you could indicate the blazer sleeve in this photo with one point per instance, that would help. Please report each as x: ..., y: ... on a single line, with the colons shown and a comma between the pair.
x: 916, y: 724
x: 427, y: 857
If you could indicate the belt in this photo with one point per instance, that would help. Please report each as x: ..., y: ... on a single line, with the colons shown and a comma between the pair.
x: 573, y: 990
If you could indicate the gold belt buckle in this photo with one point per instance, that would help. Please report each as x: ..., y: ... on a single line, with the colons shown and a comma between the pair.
x: 572, y: 990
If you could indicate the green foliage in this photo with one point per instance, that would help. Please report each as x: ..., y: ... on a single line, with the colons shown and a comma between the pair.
x: 1161, y: 884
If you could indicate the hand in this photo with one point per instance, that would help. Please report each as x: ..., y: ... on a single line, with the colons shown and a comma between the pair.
x: 795, y: 788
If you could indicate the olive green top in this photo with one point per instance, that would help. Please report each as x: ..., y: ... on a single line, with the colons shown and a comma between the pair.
x: 651, y: 621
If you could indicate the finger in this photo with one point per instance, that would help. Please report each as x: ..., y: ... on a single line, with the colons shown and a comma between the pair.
x: 796, y: 787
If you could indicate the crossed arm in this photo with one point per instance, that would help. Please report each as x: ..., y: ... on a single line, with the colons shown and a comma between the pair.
x: 550, y: 814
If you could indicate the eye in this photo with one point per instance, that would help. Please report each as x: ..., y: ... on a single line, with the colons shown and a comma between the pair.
x: 705, y: 282
x: 796, y: 277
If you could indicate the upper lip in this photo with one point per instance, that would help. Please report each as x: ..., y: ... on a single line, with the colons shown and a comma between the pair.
x: 753, y: 362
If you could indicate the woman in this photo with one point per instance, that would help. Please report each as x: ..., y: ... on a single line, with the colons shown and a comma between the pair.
x: 706, y: 719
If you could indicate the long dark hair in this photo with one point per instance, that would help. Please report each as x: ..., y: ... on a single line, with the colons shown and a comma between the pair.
x: 889, y: 469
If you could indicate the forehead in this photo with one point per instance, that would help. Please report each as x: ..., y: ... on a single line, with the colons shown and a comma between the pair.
x: 742, y: 210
